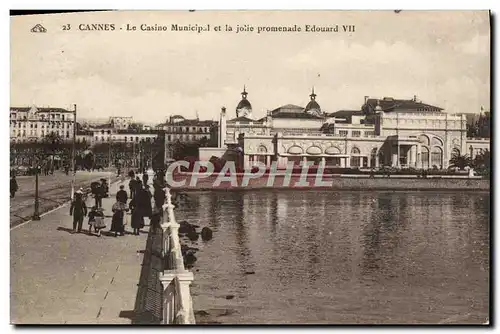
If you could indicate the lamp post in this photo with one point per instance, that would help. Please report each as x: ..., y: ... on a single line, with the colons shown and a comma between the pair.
x: 36, y: 214
x: 73, y: 159
x: 110, y: 164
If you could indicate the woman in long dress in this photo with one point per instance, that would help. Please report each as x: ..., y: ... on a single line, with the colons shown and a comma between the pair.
x: 117, y: 223
x: 137, y: 221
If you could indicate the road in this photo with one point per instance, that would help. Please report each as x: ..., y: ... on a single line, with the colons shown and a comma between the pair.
x: 54, y: 190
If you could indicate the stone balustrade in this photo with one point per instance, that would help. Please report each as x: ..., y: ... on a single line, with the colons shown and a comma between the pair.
x: 478, y: 139
x: 175, y: 279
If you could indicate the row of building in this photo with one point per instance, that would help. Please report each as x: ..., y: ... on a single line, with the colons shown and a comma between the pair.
x: 383, y: 132
x: 28, y: 124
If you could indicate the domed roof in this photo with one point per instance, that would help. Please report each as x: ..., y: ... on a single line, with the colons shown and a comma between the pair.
x: 312, y: 105
x: 244, y: 103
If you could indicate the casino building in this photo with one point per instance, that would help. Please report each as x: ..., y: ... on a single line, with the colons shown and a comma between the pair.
x: 384, y: 132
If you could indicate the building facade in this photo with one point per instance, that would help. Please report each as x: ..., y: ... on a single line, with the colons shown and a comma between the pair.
x: 121, y: 123
x: 385, y: 132
x: 34, y: 123
x: 177, y: 128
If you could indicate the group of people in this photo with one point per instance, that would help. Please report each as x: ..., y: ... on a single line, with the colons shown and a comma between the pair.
x: 140, y: 206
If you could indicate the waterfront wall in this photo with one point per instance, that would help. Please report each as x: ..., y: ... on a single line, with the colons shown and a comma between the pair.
x: 344, y: 182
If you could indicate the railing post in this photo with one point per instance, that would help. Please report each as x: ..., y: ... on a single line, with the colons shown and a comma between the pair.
x: 175, y: 279
x: 185, y: 279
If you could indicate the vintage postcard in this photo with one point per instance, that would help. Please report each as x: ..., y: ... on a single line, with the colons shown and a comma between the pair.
x: 250, y: 167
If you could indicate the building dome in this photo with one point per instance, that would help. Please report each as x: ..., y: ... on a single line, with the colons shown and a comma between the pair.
x: 244, y: 108
x: 313, y: 106
x: 244, y: 103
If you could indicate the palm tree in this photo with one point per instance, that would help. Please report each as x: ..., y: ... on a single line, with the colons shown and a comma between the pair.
x: 460, y: 161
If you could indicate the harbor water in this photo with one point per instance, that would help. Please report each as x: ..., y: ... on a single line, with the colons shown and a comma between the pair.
x: 323, y: 257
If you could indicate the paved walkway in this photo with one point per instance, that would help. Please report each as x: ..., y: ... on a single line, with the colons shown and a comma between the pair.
x: 53, y: 191
x: 63, y: 278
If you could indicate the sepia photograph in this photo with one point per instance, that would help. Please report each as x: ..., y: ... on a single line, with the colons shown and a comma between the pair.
x: 224, y: 167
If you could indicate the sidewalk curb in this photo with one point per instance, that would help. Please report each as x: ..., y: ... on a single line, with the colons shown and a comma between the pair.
x: 57, y: 208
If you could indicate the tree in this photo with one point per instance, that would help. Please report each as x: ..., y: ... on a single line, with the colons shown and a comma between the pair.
x: 460, y: 161
x: 483, y: 126
x: 482, y: 162
x: 472, y: 130
x: 52, y: 144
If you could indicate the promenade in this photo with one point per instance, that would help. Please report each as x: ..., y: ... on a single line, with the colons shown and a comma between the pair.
x: 54, y: 190
x: 63, y: 278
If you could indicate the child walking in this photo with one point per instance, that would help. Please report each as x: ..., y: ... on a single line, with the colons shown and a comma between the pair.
x: 96, y: 219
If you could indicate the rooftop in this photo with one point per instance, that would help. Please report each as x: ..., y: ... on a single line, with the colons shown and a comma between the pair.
x: 40, y: 109
x: 244, y: 119
x: 189, y: 122
x: 389, y: 104
x: 346, y: 113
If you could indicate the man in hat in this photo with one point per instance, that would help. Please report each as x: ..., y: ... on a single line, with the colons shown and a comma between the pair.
x: 78, y: 210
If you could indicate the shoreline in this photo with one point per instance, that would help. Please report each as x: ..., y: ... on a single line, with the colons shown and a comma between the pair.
x: 249, y: 189
x: 336, y: 183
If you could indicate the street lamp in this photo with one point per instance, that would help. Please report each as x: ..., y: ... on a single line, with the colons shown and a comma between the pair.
x: 36, y: 214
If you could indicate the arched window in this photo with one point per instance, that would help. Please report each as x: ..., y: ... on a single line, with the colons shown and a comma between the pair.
x: 436, y: 141
x: 355, y: 159
x: 425, y: 157
x: 424, y: 140
x: 437, y: 157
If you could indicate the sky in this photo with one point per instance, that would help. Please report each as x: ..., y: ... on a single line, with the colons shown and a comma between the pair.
x: 442, y: 57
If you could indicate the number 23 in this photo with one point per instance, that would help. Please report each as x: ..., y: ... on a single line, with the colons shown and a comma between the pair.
x: 66, y: 27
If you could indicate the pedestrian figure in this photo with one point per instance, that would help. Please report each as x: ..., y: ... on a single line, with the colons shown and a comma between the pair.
x: 131, y: 186
x: 117, y: 224
x: 78, y: 210
x: 97, y: 192
x: 145, y: 178
x: 144, y: 201
x: 137, y: 216
x: 159, y: 195
x: 121, y: 195
x: 96, y: 220
x: 13, y: 185
x: 138, y: 185
x: 105, y: 188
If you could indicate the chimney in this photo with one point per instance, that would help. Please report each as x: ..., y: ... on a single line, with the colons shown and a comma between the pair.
x: 366, y: 99
x: 414, y: 98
